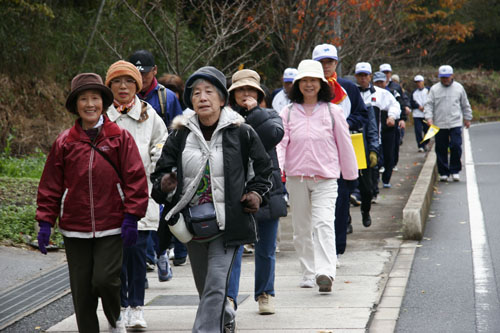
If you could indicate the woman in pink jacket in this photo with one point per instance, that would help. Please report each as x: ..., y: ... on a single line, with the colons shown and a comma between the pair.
x: 315, y: 149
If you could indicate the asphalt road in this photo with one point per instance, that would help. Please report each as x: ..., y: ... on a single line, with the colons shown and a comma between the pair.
x: 453, y: 286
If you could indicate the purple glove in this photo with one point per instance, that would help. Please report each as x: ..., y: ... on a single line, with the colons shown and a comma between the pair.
x: 43, y: 236
x: 129, y: 230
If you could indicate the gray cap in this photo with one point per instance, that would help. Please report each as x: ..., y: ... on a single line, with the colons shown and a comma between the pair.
x: 212, y: 75
x: 379, y: 76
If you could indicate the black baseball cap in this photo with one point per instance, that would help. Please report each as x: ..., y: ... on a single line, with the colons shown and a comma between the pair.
x: 143, y: 60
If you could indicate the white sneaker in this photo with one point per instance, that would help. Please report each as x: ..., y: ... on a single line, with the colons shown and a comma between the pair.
x: 120, y: 326
x: 338, y: 261
x: 395, y: 169
x: 421, y: 150
x: 307, y: 283
x: 443, y: 178
x: 136, y: 319
x: 456, y: 177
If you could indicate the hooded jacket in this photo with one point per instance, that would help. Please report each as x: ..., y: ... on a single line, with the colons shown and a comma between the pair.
x: 84, y: 191
x: 233, y: 146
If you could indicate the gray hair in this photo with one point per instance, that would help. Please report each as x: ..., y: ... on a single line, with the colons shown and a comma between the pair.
x: 200, y: 80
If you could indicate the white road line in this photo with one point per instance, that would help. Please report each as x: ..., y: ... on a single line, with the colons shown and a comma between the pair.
x: 481, y: 257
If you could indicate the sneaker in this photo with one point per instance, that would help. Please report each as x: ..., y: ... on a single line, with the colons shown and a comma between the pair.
x: 324, y: 283
x: 355, y: 201
x: 266, y: 304
x: 180, y: 261
x: 387, y: 185
x: 443, y: 178
x: 164, y: 269
x: 120, y: 326
x: 307, y: 283
x: 381, y: 170
x: 337, y: 264
x: 366, y: 219
x: 349, y: 228
x: 421, y: 150
x: 248, y: 249
x: 136, y: 318
x: 230, y: 327
x: 150, y: 267
x: 171, y: 254
x: 456, y: 177
x: 395, y: 169
x: 374, y: 199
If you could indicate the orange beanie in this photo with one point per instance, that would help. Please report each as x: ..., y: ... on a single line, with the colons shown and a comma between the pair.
x: 121, y: 68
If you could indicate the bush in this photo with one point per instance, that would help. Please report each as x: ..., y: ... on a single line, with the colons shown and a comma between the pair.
x: 22, y: 167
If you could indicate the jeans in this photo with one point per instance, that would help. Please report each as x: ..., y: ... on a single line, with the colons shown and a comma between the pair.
x: 449, y: 138
x: 133, y: 274
x: 265, y: 261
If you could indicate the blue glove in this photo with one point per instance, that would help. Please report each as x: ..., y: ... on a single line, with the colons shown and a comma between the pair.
x: 129, y: 230
x: 351, y: 184
x: 43, y: 236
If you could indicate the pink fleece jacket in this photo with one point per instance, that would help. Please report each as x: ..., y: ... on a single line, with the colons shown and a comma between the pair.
x: 312, y: 148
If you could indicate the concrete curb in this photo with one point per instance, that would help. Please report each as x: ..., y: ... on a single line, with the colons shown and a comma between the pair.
x: 417, y: 208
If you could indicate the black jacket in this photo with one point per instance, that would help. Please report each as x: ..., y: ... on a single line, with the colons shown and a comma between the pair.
x: 269, y: 126
x: 239, y: 144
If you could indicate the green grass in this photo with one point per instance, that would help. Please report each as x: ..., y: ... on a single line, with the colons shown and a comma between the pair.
x: 19, y: 178
x: 22, y: 167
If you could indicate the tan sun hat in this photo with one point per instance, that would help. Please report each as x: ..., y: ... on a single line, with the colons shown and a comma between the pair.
x: 246, y: 77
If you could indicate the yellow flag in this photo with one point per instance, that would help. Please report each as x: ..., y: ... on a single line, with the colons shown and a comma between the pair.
x: 433, y: 129
x: 359, y: 149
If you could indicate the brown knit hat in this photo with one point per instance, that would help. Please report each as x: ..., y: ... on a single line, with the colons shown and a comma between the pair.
x: 88, y: 81
x: 121, y: 68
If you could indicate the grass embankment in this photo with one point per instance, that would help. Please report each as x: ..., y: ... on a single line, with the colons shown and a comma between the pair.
x: 19, y: 179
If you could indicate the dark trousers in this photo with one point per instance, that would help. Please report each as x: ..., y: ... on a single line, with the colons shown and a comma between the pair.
x: 449, y: 138
x: 420, y: 129
x: 94, y: 271
x: 388, y: 143
x: 375, y: 176
x: 133, y: 273
x: 341, y: 216
x: 365, y: 189
x: 399, y: 133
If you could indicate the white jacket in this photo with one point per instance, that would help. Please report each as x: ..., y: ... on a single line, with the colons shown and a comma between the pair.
x: 150, y: 133
x: 280, y: 101
x: 383, y: 100
x: 447, y: 106
x: 419, y: 96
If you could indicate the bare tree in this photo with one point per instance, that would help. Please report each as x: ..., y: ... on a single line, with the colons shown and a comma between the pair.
x: 224, y: 27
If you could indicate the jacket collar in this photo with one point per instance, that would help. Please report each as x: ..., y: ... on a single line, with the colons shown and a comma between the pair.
x: 135, y: 113
x: 189, y: 119
x: 108, y: 129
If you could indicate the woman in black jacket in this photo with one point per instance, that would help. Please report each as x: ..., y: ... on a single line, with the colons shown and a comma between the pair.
x: 245, y: 95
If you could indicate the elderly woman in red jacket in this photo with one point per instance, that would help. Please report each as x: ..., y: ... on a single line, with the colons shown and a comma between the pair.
x: 94, y: 183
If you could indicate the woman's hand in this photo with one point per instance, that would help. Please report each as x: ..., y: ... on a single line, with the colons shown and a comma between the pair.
x: 169, y: 182
x: 251, y: 202
x: 249, y: 103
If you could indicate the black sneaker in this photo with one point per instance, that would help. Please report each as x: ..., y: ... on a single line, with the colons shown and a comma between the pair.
x: 349, y: 229
x: 180, y: 261
x: 367, y: 220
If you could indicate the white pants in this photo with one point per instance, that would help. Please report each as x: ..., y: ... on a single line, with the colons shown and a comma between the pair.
x: 312, y: 203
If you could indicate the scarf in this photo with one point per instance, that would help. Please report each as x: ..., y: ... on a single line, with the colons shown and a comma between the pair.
x: 124, y: 108
x: 339, y: 93
x: 154, y: 83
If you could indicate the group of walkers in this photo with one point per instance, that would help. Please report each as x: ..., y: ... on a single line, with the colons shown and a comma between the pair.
x: 138, y: 174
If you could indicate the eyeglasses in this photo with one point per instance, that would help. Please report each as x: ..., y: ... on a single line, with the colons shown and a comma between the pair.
x: 128, y: 82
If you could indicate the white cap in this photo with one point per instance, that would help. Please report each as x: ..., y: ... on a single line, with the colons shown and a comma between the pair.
x: 445, y: 71
x: 289, y: 74
x: 363, y: 67
x: 310, y: 68
x: 395, y: 78
x: 418, y: 78
x: 323, y: 51
x: 385, y: 68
